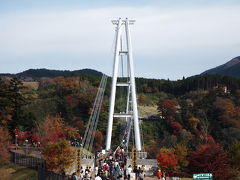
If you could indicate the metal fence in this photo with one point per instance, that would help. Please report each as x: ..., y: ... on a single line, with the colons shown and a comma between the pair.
x: 28, y: 161
x: 44, y: 174
x: 38, y: 164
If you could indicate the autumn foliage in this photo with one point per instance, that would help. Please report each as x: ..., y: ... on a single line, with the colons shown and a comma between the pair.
x: 193, y: 122
x: 167, y: 159
x: 98, y: 141
x: 210, y: 158
x: 51, y: 129
x: 177, y: 127
x: 57, y: 150
x: 59, y: 155
x: 4, y: 145
x: 168, y: 108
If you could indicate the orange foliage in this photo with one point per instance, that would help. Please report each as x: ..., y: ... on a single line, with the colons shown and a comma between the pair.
x: 168, y: 108
x: 181, y: 152
x: 225, y: 104
x: 6, y: 116
x: 66, y: 83
x: 57, y: 151
x: 167, y: 159
x: 71, y: 132
x: 51, y: 129
x: 98, y: 141
x: 4, y: 145
x: 193, y: 121
x: 59, y: 155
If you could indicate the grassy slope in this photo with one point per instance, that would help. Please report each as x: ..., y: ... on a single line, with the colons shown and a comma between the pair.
x: 15, y: 172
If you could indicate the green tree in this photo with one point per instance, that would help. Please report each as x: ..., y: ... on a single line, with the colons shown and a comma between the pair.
x: 17, y: 102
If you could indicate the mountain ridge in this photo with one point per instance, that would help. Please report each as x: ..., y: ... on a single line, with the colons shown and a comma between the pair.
x: 230, y: 68
x: 35, y: 74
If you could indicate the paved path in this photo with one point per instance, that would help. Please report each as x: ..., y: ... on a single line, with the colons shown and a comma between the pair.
x: 150, y: 178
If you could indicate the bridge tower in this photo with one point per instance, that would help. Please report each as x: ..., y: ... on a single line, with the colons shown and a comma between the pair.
x: 131, y: 114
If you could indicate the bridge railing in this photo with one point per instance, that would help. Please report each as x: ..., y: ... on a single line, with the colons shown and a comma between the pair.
x: 141, y: 155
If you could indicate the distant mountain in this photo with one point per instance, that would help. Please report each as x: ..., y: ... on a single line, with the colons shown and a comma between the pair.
x: 231, y: 68
x: 33, y: 74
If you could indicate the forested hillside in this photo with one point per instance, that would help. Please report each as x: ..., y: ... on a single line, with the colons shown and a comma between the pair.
x: 231, y: 68
x: 36, y: 74
x: 195, y: 116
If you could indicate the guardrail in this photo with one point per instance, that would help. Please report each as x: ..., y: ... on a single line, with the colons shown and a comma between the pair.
x: 37, y: 164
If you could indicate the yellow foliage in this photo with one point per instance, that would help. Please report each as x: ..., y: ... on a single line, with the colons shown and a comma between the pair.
x: 181, y: 151
x: 58, y: 155
x: 193, y: 121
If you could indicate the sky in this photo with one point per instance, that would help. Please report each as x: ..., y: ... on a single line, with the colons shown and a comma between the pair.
x: 170, y: 39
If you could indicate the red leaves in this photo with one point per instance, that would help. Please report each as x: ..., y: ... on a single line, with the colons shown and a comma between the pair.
x: 57, y: 152
x: 58, y: 155
x: 26, y: 135
x: 166, y: 159
x: 210, y: 158
x: 73, y: 100
x: 168, y: 108
x: 177, y: 127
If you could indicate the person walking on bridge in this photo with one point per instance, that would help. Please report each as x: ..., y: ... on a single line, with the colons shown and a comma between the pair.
x: 159, y: 174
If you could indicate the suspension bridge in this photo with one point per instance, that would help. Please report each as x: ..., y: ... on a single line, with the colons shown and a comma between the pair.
x: 123, y: 79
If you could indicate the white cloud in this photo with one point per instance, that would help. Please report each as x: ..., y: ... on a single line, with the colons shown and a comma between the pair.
x: 158, y: 31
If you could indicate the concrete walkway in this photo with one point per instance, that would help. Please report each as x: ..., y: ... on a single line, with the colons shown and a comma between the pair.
x: 150, y: 178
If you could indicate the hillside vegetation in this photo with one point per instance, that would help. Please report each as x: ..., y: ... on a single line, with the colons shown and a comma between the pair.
x: 183, y: 119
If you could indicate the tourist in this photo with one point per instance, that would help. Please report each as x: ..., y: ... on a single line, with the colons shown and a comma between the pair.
x: 141, y: 176
x: 159, y: 174
x: 163, y: 175
x: 98, y: 177
x: 74, y: 176
x: 129, y: 171
x: 81, y: 173
x: 96, y: 170
x: 143, y: 170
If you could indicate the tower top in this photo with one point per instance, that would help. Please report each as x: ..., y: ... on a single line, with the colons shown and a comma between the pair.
x: 115, y: 22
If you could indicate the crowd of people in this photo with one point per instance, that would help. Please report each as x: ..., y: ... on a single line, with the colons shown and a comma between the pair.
x: 110, y: 166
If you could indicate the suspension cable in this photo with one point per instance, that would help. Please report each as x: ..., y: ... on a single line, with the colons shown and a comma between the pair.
x: 98, y: 113
x: 93, y: 115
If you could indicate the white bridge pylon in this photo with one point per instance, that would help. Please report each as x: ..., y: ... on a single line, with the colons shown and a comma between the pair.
x: 131, y: 110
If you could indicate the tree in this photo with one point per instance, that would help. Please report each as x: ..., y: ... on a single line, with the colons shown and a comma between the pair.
x: 193, y: 121
x: 167, y: 108
x: 167, y: 159
x: 51, y: 129
x: 234, y: 155
x: 17, y: 101
x: 59, y: 155
x: 4, y: 145
x: 98, y: 141
x: 177, y: 127
x: 185, y: 136
x: 57, y: 151
x: 5, y: 103
x: 181, y: 152
x: 168, y: 141
x: 210, y: 158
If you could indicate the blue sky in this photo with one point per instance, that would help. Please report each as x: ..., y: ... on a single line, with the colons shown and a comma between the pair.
x: 171, y: 39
